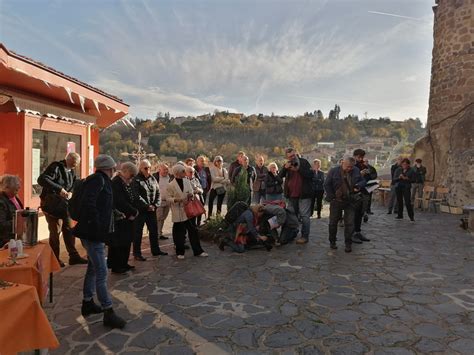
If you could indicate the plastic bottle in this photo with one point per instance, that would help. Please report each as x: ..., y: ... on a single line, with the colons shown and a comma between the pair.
x: 19, y: 246
x: 13, y: 249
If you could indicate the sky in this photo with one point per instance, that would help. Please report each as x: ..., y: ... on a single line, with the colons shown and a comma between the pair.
x: 190, y: 57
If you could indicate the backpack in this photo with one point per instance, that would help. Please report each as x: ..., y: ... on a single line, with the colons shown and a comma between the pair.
x: 235, y: 211
x: 75, y: 201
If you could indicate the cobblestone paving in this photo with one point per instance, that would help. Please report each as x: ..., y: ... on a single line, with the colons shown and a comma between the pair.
x: 410, y: 290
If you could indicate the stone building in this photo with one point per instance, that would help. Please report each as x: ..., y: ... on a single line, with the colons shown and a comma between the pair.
x: 447, y: 150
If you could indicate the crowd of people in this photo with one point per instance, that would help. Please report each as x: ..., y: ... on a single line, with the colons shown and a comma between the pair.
x: 112, y: 206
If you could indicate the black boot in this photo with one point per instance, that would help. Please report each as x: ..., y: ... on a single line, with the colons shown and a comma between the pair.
x: 89, y: 307
x: 112, y: 320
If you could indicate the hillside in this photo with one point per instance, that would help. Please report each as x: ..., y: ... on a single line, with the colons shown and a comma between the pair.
x: 225, y: 133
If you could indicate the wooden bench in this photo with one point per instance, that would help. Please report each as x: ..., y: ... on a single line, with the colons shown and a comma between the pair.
x: 384, y: 192
x: 425, y: 200
x: 440, y: 198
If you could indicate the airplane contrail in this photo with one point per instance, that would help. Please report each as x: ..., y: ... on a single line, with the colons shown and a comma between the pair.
x: 393, y: 15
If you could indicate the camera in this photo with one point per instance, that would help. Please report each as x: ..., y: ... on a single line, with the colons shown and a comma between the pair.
x: 293, y: 163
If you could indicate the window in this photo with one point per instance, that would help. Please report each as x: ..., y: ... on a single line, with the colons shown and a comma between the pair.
x: 48, y: 147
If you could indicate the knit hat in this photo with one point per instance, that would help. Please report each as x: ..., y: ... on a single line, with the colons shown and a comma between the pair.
x: 104, y: 161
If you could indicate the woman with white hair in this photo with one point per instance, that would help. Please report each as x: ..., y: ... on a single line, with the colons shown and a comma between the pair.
x: 219, y: 182
x: 9, y: 204
x: 125, y: 198
x: 274, y: 184
x: 180, y: 191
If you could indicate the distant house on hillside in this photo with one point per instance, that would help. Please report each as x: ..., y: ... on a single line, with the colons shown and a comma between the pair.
x: 179, y: 120
x: 325, y: 144
x: 236, y: 115
x: 205, y: 117
x: 320, y: 153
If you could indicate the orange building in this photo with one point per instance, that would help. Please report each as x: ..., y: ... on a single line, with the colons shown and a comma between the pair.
x: 44, y: 114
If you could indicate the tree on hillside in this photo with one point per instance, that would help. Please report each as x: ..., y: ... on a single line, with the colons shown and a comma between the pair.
x: 154, y: 142
x: 319, y: 115
x: 174, y: 145
x: 334, y: 114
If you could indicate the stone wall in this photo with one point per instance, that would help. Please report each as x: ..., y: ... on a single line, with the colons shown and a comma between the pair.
x: 447, y: 150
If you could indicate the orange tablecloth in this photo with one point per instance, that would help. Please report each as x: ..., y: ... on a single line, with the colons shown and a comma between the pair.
x: 33, y: 270
x: 24, y: 325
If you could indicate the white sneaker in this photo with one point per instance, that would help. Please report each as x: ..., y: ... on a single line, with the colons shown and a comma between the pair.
x: 204, y: 254
x: 180, y: 257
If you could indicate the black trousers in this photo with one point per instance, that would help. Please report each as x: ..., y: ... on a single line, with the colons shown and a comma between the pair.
x: 179, y: 236
x: 369, y: 203
x: 335, y: 213
x: 317, y: 202
x: 220, y: 199
x: 148, y: 218
x: 117, y: 256
x: 359, y: 212
x: 404, y: 194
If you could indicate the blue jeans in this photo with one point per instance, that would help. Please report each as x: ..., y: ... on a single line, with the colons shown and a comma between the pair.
x: 274, y: 197
x: 96, y: 274
x: 302, y: 208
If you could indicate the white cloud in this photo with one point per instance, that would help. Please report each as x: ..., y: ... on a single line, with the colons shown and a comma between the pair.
x: 409, y: 79
x: 146, y: 102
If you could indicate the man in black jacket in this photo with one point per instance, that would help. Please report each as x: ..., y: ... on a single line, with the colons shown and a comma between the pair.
x: 148, y: 201
x: 57, y: 182
x: 343, y: 184
x: 318, y: 188
x: 418, y: 181
x: 367, y: 174
x: 392, y: 204
x: 298, y: 190
x: 94, y: 226
x: 235, y: 164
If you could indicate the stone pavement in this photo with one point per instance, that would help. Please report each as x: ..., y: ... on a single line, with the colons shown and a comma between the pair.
x: 409, y: 290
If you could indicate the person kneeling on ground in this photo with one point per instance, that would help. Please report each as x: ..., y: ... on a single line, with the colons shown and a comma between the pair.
x: 244, y: 233
x: 278, y: 217
x: 94, y: 226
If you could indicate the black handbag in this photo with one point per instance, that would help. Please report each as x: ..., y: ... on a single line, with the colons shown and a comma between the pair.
x: 355, y: 198
x: 55, y: 206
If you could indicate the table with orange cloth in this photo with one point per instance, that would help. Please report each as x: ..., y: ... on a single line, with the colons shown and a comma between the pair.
x: 24, y: 325
x: 33, y: 270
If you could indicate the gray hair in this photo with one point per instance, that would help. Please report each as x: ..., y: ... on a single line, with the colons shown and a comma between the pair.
x: 178, y: 169
x: 189, y: 169
x: 130, y: 167
x: 9, y: 181
x: 218, y: 157
x: 144, y: 162
x: 348, y: 159
x: 272, y: 164
x: 317, y: 161
x: 74, y: 156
